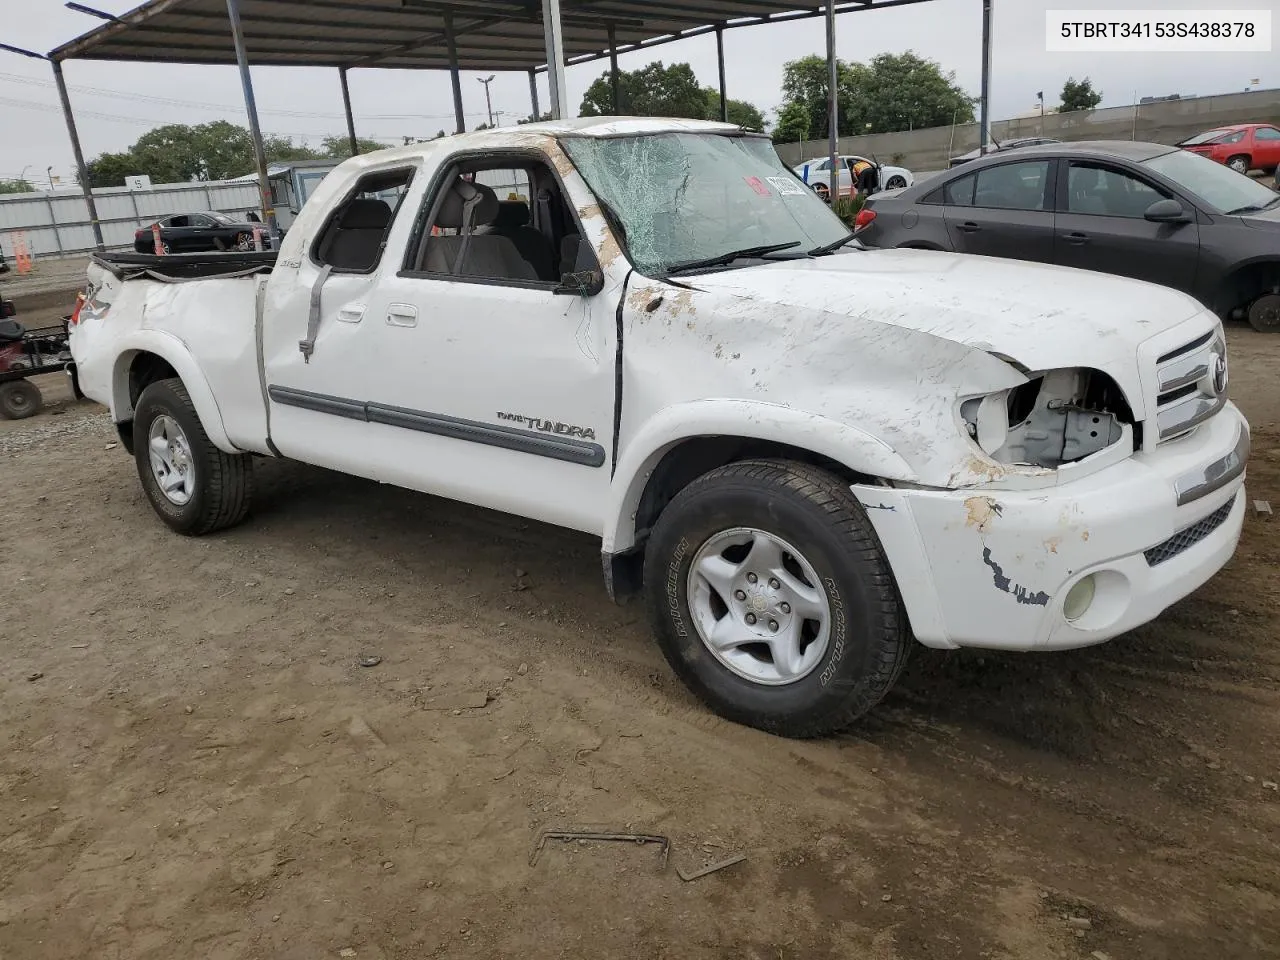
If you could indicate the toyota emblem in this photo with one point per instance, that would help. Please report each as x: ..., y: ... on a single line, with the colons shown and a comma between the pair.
x: 1220, y: 374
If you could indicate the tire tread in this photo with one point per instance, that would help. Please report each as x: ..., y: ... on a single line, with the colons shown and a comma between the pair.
x: 847, y: 519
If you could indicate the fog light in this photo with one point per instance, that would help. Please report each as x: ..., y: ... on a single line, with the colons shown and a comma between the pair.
x: 1079, y: 599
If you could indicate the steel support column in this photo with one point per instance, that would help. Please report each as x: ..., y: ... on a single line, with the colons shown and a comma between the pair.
x: 451, y: 42
x: 833, y: 102
x: 984, y: 109
x: 724, y: 86
x: 614, y: 80
x: 82, y: 170
x: 346, y: 104
x: 251, y: 107
x: 533, y: 95
x: 554, y: 32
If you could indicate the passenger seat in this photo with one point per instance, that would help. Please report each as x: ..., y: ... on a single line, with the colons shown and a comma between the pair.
x: 356, y: 241
x: 481, y: 254
x: 512, y: 222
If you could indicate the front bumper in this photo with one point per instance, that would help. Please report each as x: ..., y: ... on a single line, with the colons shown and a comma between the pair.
x: 994, y: 569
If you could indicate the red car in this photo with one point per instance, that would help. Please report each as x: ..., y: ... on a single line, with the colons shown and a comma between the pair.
x: 1242, y: 147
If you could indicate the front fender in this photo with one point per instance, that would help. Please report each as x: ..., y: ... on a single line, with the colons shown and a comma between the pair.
x: 750, y: 420
x: 175, y: 353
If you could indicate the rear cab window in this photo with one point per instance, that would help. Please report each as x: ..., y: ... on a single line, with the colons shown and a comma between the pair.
x: 355, y: 234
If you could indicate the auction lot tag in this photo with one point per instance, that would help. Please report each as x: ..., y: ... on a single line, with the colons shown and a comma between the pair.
x: 787, y: 187
x: 1156, y: 31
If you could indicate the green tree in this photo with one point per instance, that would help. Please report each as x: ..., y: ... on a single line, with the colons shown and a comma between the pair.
x: 652, y: 91
x: 284, y: 150
x: 741, y: 112
x: 892, y: 92
x: 661, y: 91
x: 339, y: 148
x: 16, y: 186
x: 532, y: 119
x: 793, y: 124
x: 1079, y: 95
x: 110, y: 169
x: 905, y: 92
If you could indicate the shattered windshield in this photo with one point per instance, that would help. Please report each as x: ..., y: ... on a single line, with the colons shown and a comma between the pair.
x: 686, y: 197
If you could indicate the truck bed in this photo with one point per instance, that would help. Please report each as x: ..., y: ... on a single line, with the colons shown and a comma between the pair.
x: 186, y: 266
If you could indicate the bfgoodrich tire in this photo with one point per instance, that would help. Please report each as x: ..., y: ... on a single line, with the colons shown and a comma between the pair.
x: 772, y: 598
x: 193, y: 486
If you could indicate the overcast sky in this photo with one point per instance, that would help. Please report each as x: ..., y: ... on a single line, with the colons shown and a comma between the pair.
x: 112, y: 109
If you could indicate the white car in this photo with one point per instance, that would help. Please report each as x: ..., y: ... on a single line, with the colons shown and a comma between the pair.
x: 806, y: 455
x: 817, y: 173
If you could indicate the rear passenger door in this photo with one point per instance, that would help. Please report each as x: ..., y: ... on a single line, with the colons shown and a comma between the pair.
x: 1004, y: 210
x: 317, y: 395
x: 1101, y: 226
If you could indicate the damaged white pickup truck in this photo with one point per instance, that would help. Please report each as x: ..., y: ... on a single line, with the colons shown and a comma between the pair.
x: 808, y: 455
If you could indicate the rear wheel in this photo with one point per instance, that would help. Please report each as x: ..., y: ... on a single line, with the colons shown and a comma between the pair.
x: 20, y: 399
x: 895, y: 183
x: 244, y: 241
x: 1264, y: 313
x: 193, y: 486
x: 1240, y: 164
x: 772, y: 599
x: 823, y: 192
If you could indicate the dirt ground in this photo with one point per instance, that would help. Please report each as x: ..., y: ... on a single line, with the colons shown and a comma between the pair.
x: 193, y: 762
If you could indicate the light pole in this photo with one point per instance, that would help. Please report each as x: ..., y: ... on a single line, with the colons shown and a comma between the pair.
x: 488, y: 102
x: 49, y: 173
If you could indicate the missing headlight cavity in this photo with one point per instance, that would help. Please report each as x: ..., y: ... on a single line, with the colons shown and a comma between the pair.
x: 1063, y: 416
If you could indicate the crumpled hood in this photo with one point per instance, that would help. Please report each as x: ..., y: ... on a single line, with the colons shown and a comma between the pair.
x: 1044, y: 317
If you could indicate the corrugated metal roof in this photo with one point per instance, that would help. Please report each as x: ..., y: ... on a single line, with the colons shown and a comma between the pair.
x: 410, y: 34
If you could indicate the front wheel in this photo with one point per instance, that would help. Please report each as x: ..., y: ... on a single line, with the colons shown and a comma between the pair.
x: 193, y: 486
x: 773, y: 600
x: 895, y: 183
x: 1239, y: 164
x: 1264, y: 313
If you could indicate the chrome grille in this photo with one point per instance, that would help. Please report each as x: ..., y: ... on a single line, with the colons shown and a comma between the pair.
x: 1191, y: 384
x: 1185, y: 539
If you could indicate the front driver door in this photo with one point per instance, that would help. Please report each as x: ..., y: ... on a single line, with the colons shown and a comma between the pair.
x: 1101, y: 226
x: 1003, y: 211
x: 491, y: 388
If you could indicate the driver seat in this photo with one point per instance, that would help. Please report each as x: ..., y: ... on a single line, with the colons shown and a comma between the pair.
x: 11, y: 331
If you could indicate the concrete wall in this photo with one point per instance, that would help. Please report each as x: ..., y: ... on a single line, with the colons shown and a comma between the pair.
x: 1165, y: 122
x: 57, y: 222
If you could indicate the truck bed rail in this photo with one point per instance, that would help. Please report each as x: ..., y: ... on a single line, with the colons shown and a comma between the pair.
x: 180, y: 267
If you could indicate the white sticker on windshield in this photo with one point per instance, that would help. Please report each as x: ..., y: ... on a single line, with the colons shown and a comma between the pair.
x: 786, y: 186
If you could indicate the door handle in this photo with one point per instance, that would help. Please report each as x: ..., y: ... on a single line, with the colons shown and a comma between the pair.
x: 402, y: 315
x: 969, y: 227
x: 352, y: 314
x: 1078, y: 239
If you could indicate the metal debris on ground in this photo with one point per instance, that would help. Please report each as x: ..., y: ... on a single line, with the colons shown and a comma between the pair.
x: 33, y: 677
x: 710, y: 868
x: 1262, y: 508
x: 641, y: 839
x: 370, y: 661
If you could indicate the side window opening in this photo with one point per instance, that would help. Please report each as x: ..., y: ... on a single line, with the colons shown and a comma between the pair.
x: 1102, y: 191
x: 355, y: 234
x: 505, y: 220
x: 1013, y: 186
x: 959, y: 193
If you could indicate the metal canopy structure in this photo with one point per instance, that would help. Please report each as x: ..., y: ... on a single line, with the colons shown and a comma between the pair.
x: 454, y: 35
x: 412, y: 34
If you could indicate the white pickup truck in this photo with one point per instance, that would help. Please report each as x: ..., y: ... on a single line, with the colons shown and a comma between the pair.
x: 807, y: 455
